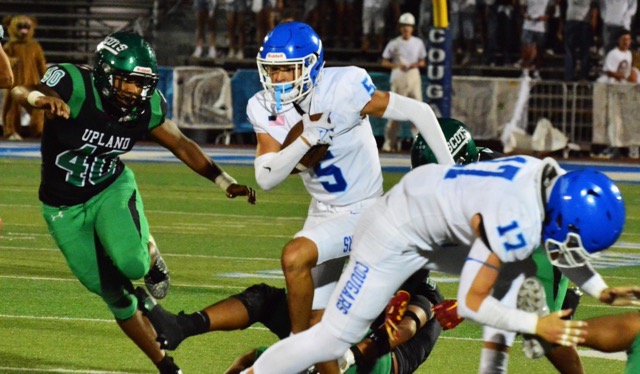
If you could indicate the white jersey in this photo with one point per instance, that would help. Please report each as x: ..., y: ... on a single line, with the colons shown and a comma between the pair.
x: 351, y: 170
x: 505, y: 192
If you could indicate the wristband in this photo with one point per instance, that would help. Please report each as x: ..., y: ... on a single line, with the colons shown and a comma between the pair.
x: 33, y: 96
x: 224, y: 180
x: 301, y: 167
x: 415, y: 318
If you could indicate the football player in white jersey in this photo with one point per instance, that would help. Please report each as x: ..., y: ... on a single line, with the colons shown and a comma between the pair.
x: 474, y: 220
x: 497, y: 343
x: 349, y: 179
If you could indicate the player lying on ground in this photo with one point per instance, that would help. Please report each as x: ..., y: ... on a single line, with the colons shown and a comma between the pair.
x: 417, y: 331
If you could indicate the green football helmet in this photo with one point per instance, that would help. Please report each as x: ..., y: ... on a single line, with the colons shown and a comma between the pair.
x: 461, y: 145
x: 125, y: 57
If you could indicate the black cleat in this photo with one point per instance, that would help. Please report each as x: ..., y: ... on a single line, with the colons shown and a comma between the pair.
x: 167, y: 366
x: 166, y: 324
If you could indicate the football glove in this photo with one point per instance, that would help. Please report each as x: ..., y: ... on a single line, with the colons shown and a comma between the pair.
x: 318, y: 132
x: 447, y: 314
x: 395, y: 311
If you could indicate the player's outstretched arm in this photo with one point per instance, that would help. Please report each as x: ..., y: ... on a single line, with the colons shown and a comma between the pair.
x: 6, y: 74
x: 621, y: 296
x: 41, y: 97
x: 400, y: 108
x: 169, y: 136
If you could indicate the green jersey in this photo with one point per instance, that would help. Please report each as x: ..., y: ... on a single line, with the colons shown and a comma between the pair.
x: 80, y: 155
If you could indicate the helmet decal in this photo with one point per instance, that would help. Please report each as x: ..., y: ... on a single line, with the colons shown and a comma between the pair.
x: 459, y: 140
x: 112, y: 44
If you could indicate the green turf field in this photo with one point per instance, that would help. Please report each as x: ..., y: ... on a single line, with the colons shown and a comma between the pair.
x: 214, y: 247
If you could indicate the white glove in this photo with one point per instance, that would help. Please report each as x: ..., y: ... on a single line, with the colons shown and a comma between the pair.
x: 318, y: 132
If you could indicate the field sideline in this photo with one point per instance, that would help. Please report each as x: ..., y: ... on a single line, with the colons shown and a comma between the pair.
x: 214, y: 247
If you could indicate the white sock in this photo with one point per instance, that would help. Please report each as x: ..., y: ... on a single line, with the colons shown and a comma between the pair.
x: 493, y: 362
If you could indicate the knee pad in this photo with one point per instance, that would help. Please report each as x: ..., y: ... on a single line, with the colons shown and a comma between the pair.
x: 267, y: 305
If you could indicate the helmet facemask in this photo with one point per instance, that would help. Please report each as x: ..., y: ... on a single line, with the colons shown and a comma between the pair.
x: 127, y: 99
x: 570, y: 253
x: 291, y: 91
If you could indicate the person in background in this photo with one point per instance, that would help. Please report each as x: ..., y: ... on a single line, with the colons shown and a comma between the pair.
x: 405, y: 56
x: 463, y: 17
x: 534, y: 29
x: 205, y: 27
x: 90, y: 199
x: 235, y: 10
x: 6, y: 74
x: 579, y: 27
x: 616, y: 16
x: 373, y: 23
x: 618, y: 69
x: 264, y: 12
x: 618, y: 61
x: 29, y: 64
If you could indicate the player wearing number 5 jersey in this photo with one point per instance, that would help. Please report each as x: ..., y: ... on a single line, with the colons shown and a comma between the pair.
x: 471, y: 220
x: 349, y: 179
x: 91, y: 203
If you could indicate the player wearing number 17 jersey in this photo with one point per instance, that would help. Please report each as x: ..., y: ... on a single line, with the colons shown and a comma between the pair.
x: 91, y: 203
x: 470, y: 220
x: 349, y: 179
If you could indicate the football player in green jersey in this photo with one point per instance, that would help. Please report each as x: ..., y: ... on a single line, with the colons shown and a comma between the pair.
x: 90, y: 199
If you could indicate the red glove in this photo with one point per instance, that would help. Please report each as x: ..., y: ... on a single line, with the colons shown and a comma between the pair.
x: 394, y: 312
x: 447, y: 314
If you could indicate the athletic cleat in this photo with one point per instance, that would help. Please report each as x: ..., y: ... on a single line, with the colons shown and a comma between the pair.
x: 157, y: 279
x: 166, y: 324
x: 532, y: 298
x: 168, y: 366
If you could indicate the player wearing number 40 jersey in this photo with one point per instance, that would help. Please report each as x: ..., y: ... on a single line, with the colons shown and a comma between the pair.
x: 91, y: 203
x: 349, y: 179
x: 473, y: 220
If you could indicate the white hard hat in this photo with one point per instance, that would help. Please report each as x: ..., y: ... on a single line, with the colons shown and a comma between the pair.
x: 407, y: 19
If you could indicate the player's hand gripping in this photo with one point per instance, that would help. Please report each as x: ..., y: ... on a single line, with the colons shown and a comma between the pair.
x: 394, y: 313
x: 621, y: 296
x: 554, y: 329
x: 318, y: 132
x: 53, y: 106
x: 241, y: 190
x: 447, y: 314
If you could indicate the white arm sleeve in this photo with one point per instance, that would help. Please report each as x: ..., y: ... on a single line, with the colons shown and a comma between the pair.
x: 402, y: 108
x: 586, y: 278
x: 274, y: 167
x: 491, y: 312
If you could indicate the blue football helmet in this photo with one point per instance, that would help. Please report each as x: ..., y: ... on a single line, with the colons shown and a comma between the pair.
x: 292, y: 44
x: 584, y: 215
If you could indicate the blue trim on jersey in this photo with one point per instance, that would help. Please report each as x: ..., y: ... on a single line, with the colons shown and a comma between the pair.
x: 482, y: 263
